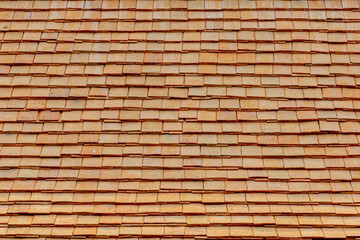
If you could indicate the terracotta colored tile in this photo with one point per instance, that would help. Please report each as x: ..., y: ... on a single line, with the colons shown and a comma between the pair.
x: 91, y: 150
x: 153, y: 57
x: 132, y: 69
x: 113, y: 69
x: 207, y: 69
x: 229, y: 110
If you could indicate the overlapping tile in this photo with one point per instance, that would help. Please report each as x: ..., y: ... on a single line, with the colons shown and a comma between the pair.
x: 179, y: 119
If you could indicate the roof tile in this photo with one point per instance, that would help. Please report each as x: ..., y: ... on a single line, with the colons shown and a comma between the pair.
x: 243, y: 111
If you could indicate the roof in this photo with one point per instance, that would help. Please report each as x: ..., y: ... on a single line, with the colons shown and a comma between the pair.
x: 179, y: 119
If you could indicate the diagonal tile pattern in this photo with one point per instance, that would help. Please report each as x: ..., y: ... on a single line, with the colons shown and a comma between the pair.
x: 179, y: 119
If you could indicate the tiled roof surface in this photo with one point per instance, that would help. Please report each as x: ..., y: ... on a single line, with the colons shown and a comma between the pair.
x: 179, y: 119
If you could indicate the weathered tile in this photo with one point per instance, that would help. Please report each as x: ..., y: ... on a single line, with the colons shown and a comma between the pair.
x: 232, y: 100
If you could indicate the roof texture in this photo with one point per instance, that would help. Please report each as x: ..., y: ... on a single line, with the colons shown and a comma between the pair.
x: 179, y: 119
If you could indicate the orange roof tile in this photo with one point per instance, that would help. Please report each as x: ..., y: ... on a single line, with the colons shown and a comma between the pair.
x: 179, y: 119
